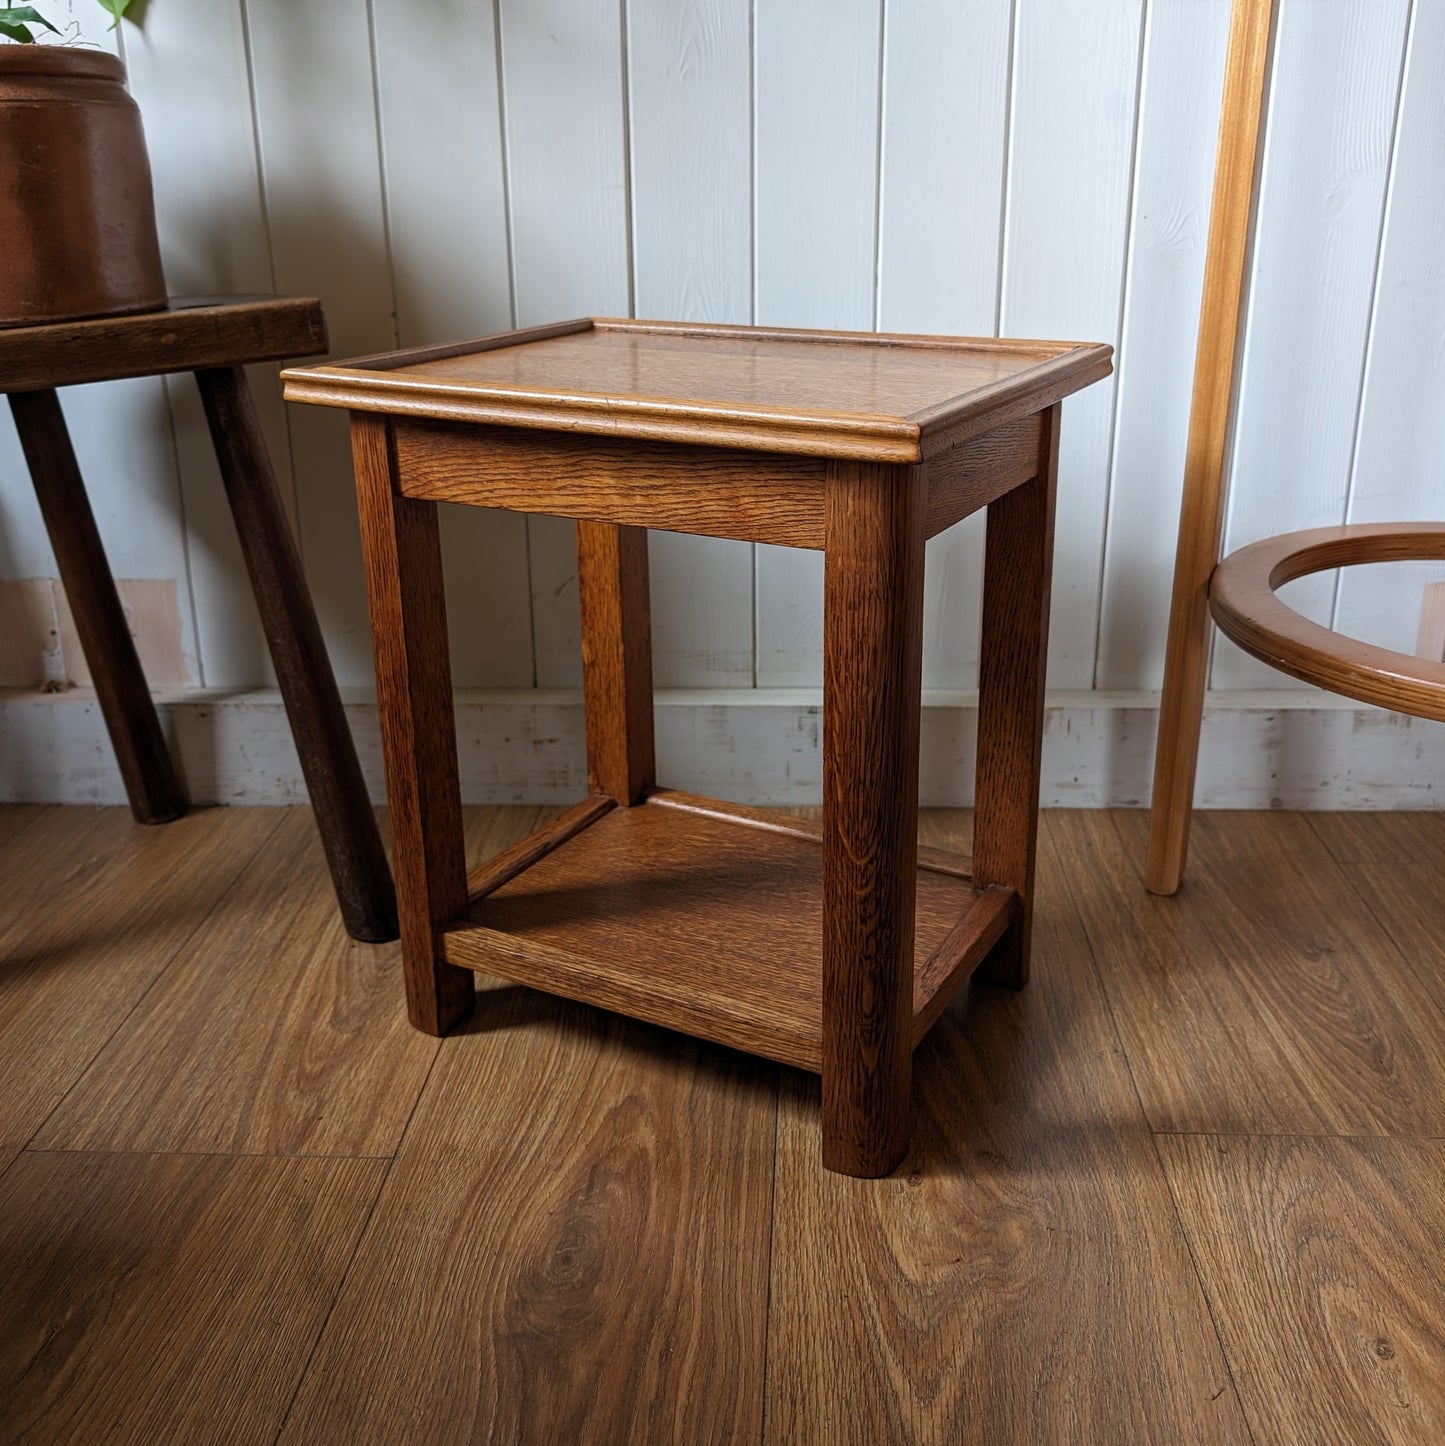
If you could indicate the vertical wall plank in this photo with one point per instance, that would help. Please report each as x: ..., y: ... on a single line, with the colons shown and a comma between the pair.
x: 690, y: 84
x: 1327, y: 153
x: 187, y: 69
x: 1174, y: 169
x: 945, y: 112
x: 436, y: 69
x: 1400, y: 460
x: 816, y: 143
x: 1075, y: 80
x: 562, y: 68
x: 316, y: 118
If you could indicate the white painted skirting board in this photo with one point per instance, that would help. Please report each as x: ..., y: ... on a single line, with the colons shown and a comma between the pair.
x: 1260, y: 750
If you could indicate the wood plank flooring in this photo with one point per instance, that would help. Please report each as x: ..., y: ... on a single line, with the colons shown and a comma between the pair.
x: 1186, y: 1187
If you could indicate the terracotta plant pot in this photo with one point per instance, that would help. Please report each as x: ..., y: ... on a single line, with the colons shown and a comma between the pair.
x: 77, y: 218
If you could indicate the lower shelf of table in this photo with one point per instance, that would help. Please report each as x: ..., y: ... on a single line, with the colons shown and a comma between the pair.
x: 703, y: 917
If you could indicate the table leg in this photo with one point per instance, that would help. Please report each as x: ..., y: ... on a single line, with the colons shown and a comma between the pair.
x: 616, y: 659
x: 151, y: 784
x: 872, y: 678
x: 418, y: 734
x: 1018, y: 566
x: 308, y: 686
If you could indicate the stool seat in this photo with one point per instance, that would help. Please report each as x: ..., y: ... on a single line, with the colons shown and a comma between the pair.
x: 1245, y: 606
x: 215, y: 338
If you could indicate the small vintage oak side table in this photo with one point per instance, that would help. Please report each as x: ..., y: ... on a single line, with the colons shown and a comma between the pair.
x: 214, y: 339
x: 832, y: 948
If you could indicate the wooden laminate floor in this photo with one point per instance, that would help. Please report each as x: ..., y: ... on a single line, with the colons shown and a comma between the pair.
x: 1186, y: 1187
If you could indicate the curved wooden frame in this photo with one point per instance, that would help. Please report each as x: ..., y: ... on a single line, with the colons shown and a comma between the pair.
x: 1243, y: 601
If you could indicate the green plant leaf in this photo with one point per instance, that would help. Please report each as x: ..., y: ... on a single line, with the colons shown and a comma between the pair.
x: 116, y: 8
x: 14, y: 19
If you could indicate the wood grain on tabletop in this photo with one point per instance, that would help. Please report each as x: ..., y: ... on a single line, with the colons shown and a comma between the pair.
x: 1017, y: 580
x: 858, y: 395
x: 230, y: 332
x: 1022, y: 1277
x: 612, y: 595
x: 1266, y: 999
x: 152, y: 785
x: 728, y: 917
x: 95, y: 907
x: 401, y: 549
x: 167, y: 1298
x: 574, y: 1240
x: 1201, y: 516
x: 273, y: 1033
x: 1321, y: 1261
x: 1243, y: 601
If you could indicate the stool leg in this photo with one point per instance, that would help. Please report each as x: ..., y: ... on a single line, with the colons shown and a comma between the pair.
x: 872, y: 679
x: 414, y: 691
x: 616, y: 659
x: 151, y: 784
x: 1018, y: 567
x: 308, y: 686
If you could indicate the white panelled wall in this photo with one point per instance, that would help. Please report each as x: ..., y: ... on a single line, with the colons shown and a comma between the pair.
x: 1026, y: 167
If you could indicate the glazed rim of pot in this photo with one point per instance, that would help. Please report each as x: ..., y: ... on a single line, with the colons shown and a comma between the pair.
x: 60, y: 60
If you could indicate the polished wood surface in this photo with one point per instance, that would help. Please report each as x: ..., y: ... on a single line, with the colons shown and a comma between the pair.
x: 113, y: 1324
x: 94, y: 909
x: 1216, y: 364
x: 189, y: 334
x: 151, y: 783
x: 671, y: 486
x: 571, y: 1227
x: 823, y: 394
x: 1242, y: 598
x: 1023, y: 1277
x: 727, y: 915
x: 298, y: 1044
x: 589, y: 405
x: 974, y: 473
x: 506, y: 865
x: 1268, y: 1007
x: 572, y: 1246
x: 872, y: 683
x: 1017, y: 578
x: 334, y: 782
x: 402, y: 550
x: 776, y: 498
x: 612, y: 595
x: 1317, y: 1251
x: 938, y: 861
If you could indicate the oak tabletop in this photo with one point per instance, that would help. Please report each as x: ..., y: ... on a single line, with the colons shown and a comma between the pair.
x: 847, y: 394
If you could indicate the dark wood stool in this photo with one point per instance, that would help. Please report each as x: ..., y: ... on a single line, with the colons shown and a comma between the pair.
x: 832, y: 949
x: 213, y: 339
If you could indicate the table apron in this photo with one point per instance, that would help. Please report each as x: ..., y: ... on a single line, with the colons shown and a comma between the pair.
x: 708, y: 491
